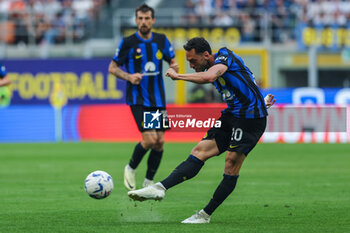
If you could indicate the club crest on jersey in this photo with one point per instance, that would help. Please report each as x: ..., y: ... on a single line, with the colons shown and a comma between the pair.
x: 159, y: 55
x: 138, y: 50
x: 222, y: 81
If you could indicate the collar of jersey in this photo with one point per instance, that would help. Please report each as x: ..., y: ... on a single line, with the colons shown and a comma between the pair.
x: 140, y: 38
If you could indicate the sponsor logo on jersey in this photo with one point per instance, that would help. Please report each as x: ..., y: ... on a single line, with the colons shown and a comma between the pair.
x: 116, y: 52
x: 221, y: 58
x: 150, y: 69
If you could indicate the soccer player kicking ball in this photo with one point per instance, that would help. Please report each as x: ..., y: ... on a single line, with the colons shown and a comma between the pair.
x: 242, y: 123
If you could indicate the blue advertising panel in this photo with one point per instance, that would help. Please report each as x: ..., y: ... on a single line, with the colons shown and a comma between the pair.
x: 82, y: 81
x: 307, y: 95
x: 27, y: 124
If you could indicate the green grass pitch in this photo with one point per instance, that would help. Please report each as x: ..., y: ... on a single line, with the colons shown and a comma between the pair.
x: 282, y: 188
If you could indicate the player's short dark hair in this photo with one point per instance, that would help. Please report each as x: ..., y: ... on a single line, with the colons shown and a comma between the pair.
x: 199, y: 44
x: 145, y: 8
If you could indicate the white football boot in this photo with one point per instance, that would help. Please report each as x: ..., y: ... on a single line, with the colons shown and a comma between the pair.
x: 147, y: 182
x: 129, y: 178
x: 153, y: 192
x: 199, y: 217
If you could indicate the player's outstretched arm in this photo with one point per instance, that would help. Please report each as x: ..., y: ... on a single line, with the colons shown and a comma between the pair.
x: 5, y: 81
x: 114, y: 69
x: 208, y: 76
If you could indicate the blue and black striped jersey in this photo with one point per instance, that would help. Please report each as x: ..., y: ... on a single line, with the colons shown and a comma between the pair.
x: 145, y: 57
x: 238, y: 88
x: 2, y: 71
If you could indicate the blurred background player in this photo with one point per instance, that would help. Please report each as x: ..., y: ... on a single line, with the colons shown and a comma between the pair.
x: 142, y: 55
x: 242, y: 123
x: 4, y: 79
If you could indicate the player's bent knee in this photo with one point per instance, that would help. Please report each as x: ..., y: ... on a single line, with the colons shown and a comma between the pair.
x: 196, y: 151
x: 149, y: 143
x: 158, y: 146
x: 201, y: 154
x: 232, y: 168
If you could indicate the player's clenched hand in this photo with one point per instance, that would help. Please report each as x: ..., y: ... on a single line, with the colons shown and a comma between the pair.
x: 135, y: 78
x: 175, y: 66
x: 269, y: 100
x: 172, y: 74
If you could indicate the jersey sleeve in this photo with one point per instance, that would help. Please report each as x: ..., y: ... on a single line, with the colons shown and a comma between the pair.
x: 223, y: 57
x: 2, y: 71
x: 168, y: 50
x: 121, y: 53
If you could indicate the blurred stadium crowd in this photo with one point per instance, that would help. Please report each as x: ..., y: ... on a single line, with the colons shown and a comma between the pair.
x: 50, y: 21
x: 280, y: 15
x: 47, y: 21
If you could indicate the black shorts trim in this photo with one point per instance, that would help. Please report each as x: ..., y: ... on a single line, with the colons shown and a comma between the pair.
x: 138, y: 112
x: 237, y: 134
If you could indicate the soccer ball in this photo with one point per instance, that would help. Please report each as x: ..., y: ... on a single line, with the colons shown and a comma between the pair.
x: 99, y: 184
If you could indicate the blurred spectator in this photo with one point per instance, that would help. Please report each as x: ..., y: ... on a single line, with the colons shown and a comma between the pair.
x: 42, y: 26
x: 51, y: 8
x: 56, y: 31
x: 4, y: 6
x: 279, y: 22
x: 20, y: 19
x: 221, y: 6
x: 247, y: 27
x: 204, y: 10
x: 221, y: 16
x: 17, y: 6
x: 191, y: 16
x: 222, y: 19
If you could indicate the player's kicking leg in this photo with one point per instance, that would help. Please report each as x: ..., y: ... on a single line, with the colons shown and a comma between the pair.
x: 233, y: 163
x: 185, y: 171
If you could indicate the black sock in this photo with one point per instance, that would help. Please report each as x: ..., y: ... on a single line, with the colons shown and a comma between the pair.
x: 185, y: 171
x: 224, y: 189
x: 137, y: 156
x: 153, y: 163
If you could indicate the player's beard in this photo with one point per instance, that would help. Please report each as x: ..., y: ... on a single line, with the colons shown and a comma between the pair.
x: 144, y: 30
x: 203, y: 67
